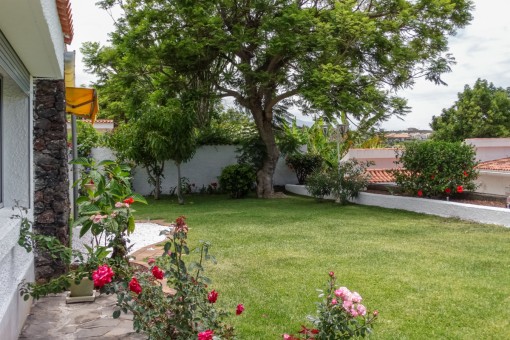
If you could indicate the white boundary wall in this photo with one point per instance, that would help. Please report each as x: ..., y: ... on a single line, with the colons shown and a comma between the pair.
x: 471, y: 212
x: 203, y: 169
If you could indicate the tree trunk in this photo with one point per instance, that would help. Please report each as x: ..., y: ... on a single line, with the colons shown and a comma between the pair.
x: 265, y: 174
x: 157, y: 186
x: 180, y: 198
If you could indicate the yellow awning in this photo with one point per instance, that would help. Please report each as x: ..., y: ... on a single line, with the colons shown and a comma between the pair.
x: 82, y: 102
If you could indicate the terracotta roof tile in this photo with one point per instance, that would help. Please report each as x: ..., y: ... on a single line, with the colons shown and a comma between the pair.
x: 502, y: 164
x: 66, y: 19
x: 380, y: 175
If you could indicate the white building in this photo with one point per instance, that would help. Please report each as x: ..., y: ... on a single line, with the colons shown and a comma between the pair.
x: 33, y: 34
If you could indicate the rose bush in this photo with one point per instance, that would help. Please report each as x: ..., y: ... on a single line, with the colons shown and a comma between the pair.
x: 340, y: 315
x: 188, y: 311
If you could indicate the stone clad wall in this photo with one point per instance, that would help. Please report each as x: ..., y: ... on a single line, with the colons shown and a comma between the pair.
x: 51, y: 197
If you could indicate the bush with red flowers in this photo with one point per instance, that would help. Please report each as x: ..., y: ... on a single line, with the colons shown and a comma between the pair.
x: 436, y: 169
x: 190, y: 312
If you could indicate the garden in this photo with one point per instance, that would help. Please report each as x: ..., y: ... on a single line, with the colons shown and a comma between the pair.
x: 428, y: 277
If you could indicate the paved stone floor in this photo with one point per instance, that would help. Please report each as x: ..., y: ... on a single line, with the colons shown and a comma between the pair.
x: 52, y: 318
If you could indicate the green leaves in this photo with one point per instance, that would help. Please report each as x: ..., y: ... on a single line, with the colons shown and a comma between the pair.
x: 479, y: 112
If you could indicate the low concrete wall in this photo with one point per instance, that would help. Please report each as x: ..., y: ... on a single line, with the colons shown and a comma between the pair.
x: 471, y: 212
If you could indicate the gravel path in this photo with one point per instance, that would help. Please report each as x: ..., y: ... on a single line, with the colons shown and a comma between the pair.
x: 145, y: 234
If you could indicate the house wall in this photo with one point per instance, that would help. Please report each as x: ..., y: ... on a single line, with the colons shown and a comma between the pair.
x: 15, y: 263
x: 488, y: 149
x: 202, y: 170
x: 493, y: 182
x: 383, y: 158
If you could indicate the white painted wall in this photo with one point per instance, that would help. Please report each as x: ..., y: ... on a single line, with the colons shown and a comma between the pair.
x: 202, y: 170
x: 471, y: 212
x: 15, y: 263
x: 488, y: 149
x: 33, y: 29
x: 493, y: 182
x: 383, y: 158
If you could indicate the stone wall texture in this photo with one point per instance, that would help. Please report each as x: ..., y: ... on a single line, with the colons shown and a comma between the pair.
x: 51, y: 197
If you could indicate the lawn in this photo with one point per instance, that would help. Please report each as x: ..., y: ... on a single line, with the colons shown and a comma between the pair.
x: 428, y: 277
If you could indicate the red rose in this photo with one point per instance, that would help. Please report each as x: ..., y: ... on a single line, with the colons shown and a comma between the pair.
x: 129, y: 200
x: 420, y: 193
x: 331, y: 274
x: 315, y: 331
x: 460, y: 189
x: 448, y: 191
x: 158, y: 273
x: 239, y: 309
x: 206, y: 335
x: 134, y: 286
x: 102, y: 275
x: 212, y: 296
x: 466, y: 174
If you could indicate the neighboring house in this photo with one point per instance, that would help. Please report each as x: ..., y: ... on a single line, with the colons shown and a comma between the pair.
x: 33, y: 34
x: 494, y: 177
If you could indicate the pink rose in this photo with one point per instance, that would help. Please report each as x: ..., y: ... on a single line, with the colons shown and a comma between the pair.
x: 361, y: 309
x: 206, y: 335
x: 212, y: 296
x: 331, y: 274
x: 119, y: 205
x: 98, y: 218
x: 344, y: 293
x: 353, y: 312
x: 347, y: 304
x: 150, y: 261
x: 355, y: 297
x: 239, y: 309
x: 102, y: 275
x: 334, y: 302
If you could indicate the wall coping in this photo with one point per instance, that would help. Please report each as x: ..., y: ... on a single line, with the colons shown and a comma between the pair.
x: 469, y: 212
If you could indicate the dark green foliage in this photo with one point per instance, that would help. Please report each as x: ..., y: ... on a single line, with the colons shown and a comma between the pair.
x: 344, y: 183
x: 431, y: 168
x: 304, y: 164
x: 479, y: 112
x: 319, y: 184
x: 333, y: 58
x: 237, y: 180
x: 87, y: 138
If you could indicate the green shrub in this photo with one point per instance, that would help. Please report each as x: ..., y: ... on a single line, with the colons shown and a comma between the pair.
x: 350, y: 180
x: 304, y: 164
x: 344, y: 183
x: 319, y: 184
x: 87, y: 138
x: 237, y: 180
x: 436, y: 168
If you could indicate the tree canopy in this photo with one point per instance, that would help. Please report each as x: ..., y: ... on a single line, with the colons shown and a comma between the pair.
x: 482, y: 111
x: 339, y: 58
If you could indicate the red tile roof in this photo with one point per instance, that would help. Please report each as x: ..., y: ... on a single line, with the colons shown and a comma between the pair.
x: 502, y: 164
x: 380, y: 175
x: 66, y: 19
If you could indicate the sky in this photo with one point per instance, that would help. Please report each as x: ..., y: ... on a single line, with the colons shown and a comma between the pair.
x: 481, y: 50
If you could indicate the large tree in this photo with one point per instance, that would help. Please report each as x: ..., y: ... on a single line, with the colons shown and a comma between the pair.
x: 339, y: 58
x: 480, y: 111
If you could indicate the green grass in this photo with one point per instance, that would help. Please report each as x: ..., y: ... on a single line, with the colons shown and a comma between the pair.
x: 429, y: 277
